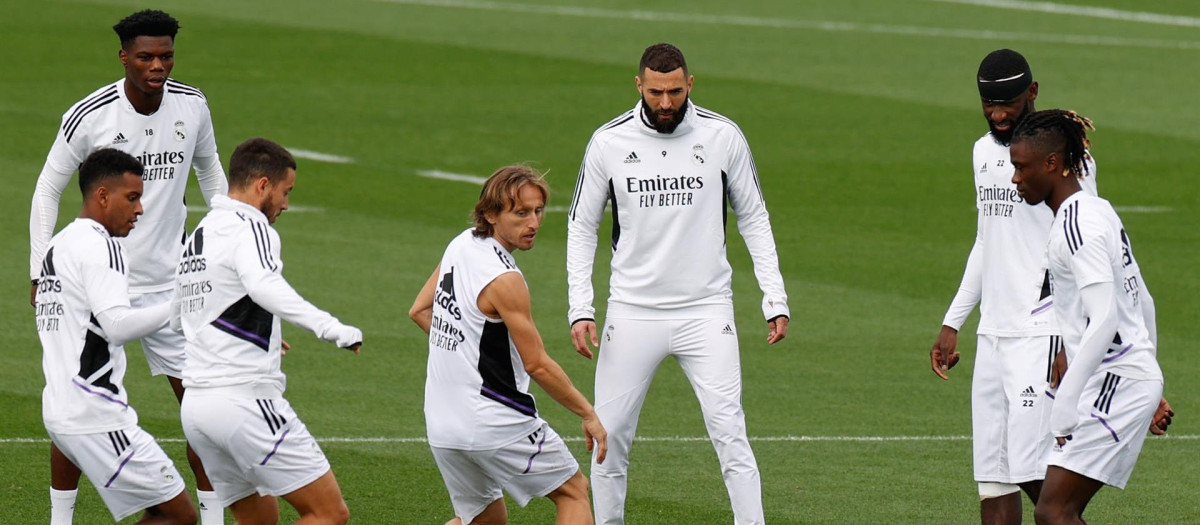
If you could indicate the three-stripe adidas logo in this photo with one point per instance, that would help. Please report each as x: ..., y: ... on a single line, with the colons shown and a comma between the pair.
x: 120, y: 139
x: 728, y: 330
x: 632, y: 158
x: 1029, y: 392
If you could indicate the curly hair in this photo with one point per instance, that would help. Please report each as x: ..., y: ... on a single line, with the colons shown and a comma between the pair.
x: 149, y: 22
x: 1059, y: 130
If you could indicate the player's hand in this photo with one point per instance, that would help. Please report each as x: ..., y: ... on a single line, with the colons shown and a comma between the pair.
x: 1162, y: 418
x: 596, y: 437
x: 355, y: 347
x: 944, y: 354
x: 284, y: 347
x: 777, y: 329
x: 33, y: 295
x: 1059, y: 369
x: 1062, y: 440
x: 581, y: 332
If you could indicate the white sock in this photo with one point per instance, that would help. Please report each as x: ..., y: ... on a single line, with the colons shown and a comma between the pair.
x: 211, y: 511
x: 62, y: 506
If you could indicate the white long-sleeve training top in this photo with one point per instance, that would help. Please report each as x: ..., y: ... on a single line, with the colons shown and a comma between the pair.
x: 669, y: 195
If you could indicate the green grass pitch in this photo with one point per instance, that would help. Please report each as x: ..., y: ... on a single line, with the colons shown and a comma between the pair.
x: 861, y: 115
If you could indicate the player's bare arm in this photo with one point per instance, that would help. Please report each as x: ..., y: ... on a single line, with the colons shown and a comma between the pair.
x: 507, y: 297
x: 581, y: 332
x: 422, y: 308
x: 944, y: 354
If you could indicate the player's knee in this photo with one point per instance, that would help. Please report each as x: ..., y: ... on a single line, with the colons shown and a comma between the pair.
x: 989, y: 490
x: 339, y: 514
x: 1048, y: 514
x: 575, y: 489
x: 185, y: 515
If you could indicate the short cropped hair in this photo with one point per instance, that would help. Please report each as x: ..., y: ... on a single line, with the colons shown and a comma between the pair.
x: 149, y: 22
x: 259, y: 157
x: 500, y: 193
x: 104, y: 164
x: 662, y: 58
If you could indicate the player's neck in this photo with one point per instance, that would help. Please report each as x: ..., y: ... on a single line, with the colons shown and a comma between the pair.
x: 248, y: 197
x: 142, y: 102
x: 1063, y: 191
x: 94, y: 216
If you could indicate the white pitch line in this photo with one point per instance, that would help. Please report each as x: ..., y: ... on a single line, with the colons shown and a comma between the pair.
x: 320, y: 157
x: 783, y: 23
x: 1143, y: 209
x: 1080, y: 10
x: 445, y: 175
x: 649, y: 439
x: 291, y: 209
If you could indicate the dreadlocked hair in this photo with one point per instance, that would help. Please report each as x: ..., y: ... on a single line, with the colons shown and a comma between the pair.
x: 1059, y: 130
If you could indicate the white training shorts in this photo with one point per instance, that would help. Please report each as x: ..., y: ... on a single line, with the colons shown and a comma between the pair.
x: 127, y: 467
x: 250, y: 445
x: 1010, y: 411
x: 530, y: 467
x: 1114, y: 416
x: 164, y: 349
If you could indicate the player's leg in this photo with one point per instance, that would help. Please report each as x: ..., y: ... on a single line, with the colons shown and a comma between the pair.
x: 630, y: 352
x: 64, y: 487
x: 571, y: 501
x: 1114, y: 413
x: 999, y: 499
x: 176, y: 511
x: 1064, y: 496
x: 165, y: 353
x: 707, y: 351
x: 210, y: 422
x: 474, y: 495
x: 320, y: 502
x: 1026, y: 363
x: 255, y: 510
x: 131, y: 473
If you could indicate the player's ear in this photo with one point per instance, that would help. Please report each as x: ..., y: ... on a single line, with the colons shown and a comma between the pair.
x: 121, y: 54
x: 102, y: 195
x: 1033, y: 89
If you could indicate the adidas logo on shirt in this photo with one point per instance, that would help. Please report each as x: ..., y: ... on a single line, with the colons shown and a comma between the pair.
x: 120, y: 139
x: 728, y: 330
x: 1029, y: 392
x: 632, y: 158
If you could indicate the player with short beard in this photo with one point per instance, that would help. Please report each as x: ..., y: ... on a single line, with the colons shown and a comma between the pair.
x: 167, y: 125
x: 669, y: 169
x: 231, y: 299
x: 1018, y: 335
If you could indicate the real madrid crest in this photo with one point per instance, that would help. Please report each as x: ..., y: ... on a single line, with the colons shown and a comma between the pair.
x: 180, y: 131
x: 698, y: 155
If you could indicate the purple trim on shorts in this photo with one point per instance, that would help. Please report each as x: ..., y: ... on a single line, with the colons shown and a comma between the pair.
x: 498, y: 397
x: 539, y: 451
x: 276, y: 449
x: 1110, y: 430
x: 1041, y: 308
x: 118, y: 472
x: 1119, y: 354
x: 75, y: 380
x: 1049, y: 395
x: 253, y: 337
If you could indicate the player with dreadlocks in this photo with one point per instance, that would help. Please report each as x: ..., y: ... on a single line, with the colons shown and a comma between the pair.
x: 1110, y: 391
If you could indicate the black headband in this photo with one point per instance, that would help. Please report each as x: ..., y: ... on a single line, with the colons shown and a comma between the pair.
x: 1005, y: 89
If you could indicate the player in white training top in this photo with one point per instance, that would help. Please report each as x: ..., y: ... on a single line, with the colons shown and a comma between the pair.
x: 166, y: 125
x: 482, y: 423
x: 1113, y: 384
x: 83, y: 319
x: 231, y: 295
x: 1006, y: 275
x: 670, y: 169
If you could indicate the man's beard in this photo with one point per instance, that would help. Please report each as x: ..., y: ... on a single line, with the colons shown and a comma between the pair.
x: 664, y: 126
x: 1005, y: 137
